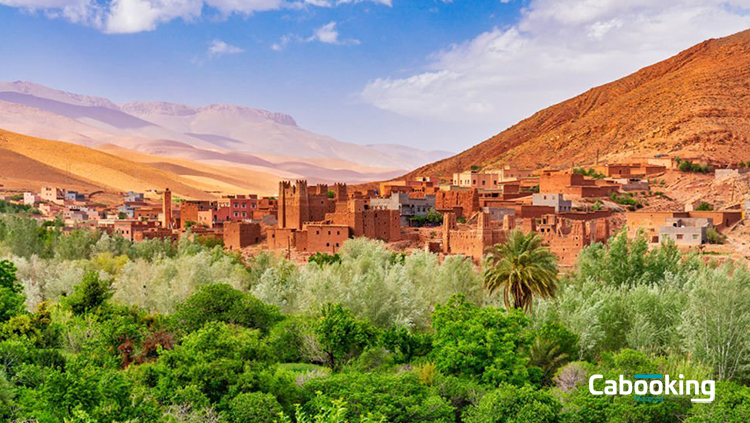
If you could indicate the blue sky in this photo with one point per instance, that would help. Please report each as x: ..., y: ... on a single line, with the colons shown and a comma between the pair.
x: 428, y: 73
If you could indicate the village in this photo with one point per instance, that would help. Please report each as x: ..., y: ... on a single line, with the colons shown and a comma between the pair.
x: 569, y: 209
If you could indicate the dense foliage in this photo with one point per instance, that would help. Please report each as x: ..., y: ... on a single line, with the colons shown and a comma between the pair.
x: 94, y: 328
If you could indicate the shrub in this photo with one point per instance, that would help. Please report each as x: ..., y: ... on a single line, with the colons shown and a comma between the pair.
x: 511, y: 404
x: 254, y: 407
x: 222, y: 303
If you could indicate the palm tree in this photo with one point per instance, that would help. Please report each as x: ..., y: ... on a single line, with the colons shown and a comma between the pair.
x: 523, y: 268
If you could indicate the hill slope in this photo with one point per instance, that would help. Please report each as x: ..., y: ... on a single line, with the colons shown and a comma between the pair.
x: 696, y: 103
x: 29, y: 163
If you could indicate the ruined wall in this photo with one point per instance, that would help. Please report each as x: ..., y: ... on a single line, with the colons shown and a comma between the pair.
x: 471, y: 241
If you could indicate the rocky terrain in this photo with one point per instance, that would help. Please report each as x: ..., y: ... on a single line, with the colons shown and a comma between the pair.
x: 695, y: 104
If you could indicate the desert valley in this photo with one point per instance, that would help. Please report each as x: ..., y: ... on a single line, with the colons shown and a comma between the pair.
x: 673, y: 159
x: 171, y: 263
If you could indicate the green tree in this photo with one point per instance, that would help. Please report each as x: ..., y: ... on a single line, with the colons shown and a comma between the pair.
x: 342, y: 336
x: 484, y: 343
x: 222, y: 303
x: 11, y: 298
x: 522, y: 268
x: 90, y: 294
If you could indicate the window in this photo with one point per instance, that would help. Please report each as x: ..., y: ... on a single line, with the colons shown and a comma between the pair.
x: 328, y: 244
x: 679, y: 236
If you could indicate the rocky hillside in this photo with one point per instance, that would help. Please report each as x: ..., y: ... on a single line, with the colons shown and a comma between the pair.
x: 695, y: 104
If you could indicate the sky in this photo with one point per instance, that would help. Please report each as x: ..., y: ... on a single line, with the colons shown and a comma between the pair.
x: 432, y: 74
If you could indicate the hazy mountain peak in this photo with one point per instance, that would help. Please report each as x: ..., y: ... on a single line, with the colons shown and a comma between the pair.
x: 146, y: 108
x: 36, y: 90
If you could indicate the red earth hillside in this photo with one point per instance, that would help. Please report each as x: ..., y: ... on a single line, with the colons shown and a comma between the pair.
x: 695, y: 104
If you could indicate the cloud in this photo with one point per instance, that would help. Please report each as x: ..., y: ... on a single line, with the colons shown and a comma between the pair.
x: 327, y: 34
x: 219, y: 48
x: 131, y: 16
x: 557, y: 49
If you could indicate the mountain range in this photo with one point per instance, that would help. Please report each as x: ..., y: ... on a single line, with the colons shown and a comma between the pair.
x: 216, y: 135
x: 693, y: 105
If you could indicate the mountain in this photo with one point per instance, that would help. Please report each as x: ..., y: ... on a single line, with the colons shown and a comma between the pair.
x: 29, y: 162
x: 229, y: 134
x: 695, y: 104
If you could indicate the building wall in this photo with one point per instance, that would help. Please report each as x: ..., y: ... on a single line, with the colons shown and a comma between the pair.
x: 238, y: 235
x: 280, y: 238
x: 189, y: 211
x: 299, y: 204
x: 322, y: 238
x: 364, y: 221
x: 574, y: 184
x: 467, y: 200
x: 476, y: 180
x: 53, y: 195
x: 471, y: 242
x: 684, y: 235
x: 566, y: 238
x: 552, y: 200
x: 649, y: 222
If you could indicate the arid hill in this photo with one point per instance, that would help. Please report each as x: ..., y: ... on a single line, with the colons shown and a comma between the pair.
x: 27, y: 163
x: 695, y: 104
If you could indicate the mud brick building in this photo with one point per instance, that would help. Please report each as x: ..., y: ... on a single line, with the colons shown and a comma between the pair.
x: 238, y: 235
x: 463, y: 203
x: 314, y: 237
x: 473, y: 241
x: 630, y: 170
x: 650, y: 222
x: 566, y: 238
x: 299, y: 203
x: 575, y: 184
x: 190, y: 209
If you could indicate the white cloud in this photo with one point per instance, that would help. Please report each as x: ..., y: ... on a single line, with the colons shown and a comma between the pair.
x: 557, y: 49
x: 130, y: 16
x: 219, y: 48
x: 327, y: 34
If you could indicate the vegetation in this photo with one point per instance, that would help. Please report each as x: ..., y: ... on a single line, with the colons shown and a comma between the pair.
x: 432, y: 218
x: 590, y: 172
x: 95, y: 328
x: 13, y: 208
x: 704, y: 206
x: 626, y: 200
x: 688, y: 166
x: 715, y: 237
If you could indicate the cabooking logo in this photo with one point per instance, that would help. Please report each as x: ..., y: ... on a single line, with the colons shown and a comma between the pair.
x: 651, y: 387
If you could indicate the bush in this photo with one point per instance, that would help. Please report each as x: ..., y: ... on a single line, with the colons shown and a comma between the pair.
x: 254, y: 407
x: 222, y: 303
x: 511, y: 404
x: 688, y: 166
x: 715, y: 237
